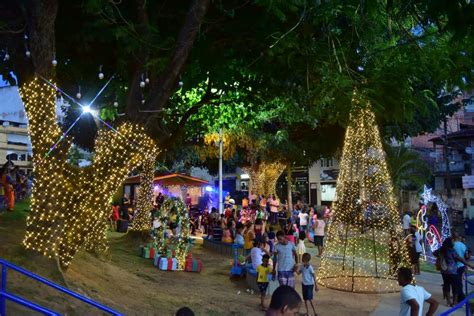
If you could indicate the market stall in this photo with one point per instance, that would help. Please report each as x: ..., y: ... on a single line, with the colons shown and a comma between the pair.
x: 171, y: 185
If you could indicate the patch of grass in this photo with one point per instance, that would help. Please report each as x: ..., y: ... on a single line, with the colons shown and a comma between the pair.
x: 428, y: 267
x: 20, y: 212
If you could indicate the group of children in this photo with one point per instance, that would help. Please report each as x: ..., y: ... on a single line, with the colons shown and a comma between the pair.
x: 308, y: 280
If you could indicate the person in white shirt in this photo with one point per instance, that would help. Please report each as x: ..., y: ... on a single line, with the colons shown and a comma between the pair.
x: 303, y: 216
x: 256, y: 254
x: 406, y: 223
x: 413, y: 296
x: 319, y: 232
x: 417, y: 240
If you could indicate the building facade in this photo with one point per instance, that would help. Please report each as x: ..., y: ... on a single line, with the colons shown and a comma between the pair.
x: 322, y: 178
x: 15, y: 145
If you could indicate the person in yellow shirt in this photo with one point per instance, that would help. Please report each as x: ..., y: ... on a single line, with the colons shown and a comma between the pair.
x: 263, y: 271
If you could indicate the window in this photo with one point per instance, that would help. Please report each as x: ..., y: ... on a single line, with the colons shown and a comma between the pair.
x: 328, y: 191
x: 326, y: 162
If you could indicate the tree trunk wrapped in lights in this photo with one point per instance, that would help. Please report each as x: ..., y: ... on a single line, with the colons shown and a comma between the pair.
x: 264, y: 176
x: 142, y: 221
x: 70, y: 206
x: 365, y: 246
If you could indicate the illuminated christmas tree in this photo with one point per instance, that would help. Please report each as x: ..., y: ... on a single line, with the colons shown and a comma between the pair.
x: 364, y: 246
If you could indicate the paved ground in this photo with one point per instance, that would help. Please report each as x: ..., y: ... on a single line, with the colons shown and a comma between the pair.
x: 390, y: 303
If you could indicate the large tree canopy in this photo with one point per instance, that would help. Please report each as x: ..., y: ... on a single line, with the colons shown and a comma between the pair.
x: 285, y: 70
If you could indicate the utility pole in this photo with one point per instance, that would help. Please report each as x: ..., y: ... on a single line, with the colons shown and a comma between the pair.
x: 221, y: 202
x: 446, y: 160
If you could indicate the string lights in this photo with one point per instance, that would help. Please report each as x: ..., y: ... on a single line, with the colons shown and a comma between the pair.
x: 433, y: 237
x: 70, y: 205
x: 142, y: 221
x: 264, y: 176
x: 170, y: 207
x: 365, y: 246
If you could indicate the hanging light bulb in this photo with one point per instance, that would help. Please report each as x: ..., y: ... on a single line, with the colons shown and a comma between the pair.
x: 101, y: 74
x: 143, y: 101
x: 142, y: 84
x: 180, y: 83
x: 147, y: 81
x: 28, y: 54
x: 79, y: 95
x: 7, y: 57
x: 116, y: 104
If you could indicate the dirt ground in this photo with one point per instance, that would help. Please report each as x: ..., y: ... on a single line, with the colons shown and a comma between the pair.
x: 133, y: 286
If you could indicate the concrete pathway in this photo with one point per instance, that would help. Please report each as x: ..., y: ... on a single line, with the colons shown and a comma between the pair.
x: 390, y: 303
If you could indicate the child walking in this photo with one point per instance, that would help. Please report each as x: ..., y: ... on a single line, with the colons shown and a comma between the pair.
x: 263, y: 271
x: 301, y: 248
x: 308, y: 282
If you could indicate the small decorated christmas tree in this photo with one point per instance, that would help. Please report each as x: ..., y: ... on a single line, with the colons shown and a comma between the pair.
x: 364, y: 245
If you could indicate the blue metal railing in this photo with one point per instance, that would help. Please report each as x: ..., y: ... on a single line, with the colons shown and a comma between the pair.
x: 4, y: 295
x: 464, y: 302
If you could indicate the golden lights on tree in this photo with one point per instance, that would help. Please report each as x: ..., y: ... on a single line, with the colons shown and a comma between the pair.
x: 70, y: 205
x: 142, y: 220
x: 264, y: 176
x: 364, y: 246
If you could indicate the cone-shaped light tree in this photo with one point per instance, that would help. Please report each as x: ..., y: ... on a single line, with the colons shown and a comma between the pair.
x: 365, y: 246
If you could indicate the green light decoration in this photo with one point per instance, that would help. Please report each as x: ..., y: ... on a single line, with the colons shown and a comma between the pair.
x: 183, y: 241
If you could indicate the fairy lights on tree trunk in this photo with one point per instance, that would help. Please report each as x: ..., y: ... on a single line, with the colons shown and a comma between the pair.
x: 264, y: 176
x: 365, y: 246
x: 69, y: 205
x: 142, y: 221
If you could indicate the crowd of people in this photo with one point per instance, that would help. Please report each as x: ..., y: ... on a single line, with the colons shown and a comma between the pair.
x: 14, y: 186
x: 452, y: 257
x: 260, y: 219
x: 273, y: 238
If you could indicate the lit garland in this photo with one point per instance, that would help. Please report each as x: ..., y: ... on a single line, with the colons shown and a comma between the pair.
x: 169, y: 207
x: 263, y: 178
x: 365, y: 246
x: 69, y: 205
x: 142, y: 221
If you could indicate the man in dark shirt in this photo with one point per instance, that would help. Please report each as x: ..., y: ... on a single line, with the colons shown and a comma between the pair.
x: 160, y: 198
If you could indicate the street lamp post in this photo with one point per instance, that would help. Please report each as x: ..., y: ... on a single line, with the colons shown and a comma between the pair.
x: 221, y: 205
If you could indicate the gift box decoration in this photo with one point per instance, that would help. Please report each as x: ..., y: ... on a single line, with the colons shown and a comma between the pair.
x: 156, y: 259
x: 170, y: 253
x: 169, y: 264
x: 152, y: 253
x: 146, y: 252
x: 193, y: 265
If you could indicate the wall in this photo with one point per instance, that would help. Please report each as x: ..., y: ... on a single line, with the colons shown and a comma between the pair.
x: 322, y: 174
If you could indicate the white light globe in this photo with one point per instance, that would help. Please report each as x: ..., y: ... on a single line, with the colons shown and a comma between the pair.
x: 86, y: 109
